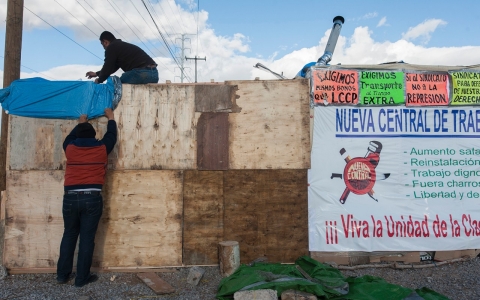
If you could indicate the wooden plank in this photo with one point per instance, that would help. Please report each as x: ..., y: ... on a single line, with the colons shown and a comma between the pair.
x: 272, y: 129
x: 212, y: 141
x: 266, y: 211
x: 203, y: 216
x: 140, y: 225
x: 157, y: 284
x: 214, y: 97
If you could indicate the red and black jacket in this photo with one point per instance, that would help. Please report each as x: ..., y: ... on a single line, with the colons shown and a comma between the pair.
x: 87, y: 158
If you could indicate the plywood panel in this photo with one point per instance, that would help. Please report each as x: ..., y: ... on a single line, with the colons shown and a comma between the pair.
x: 214, y: 97
x: 203, y: 216
x: 140, y: 226
x: 34, y: 222
x: 142, y: 221
x: 212, y: 141
x: 266, y: 211
x: 272, y: 129
x: 36, y: 144
x: 156, y: 128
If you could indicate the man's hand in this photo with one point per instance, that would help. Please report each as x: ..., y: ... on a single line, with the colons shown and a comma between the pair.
x: 109, y: 113
x: 82, y: 119
x: 96, y: 80
x: 91, y: 74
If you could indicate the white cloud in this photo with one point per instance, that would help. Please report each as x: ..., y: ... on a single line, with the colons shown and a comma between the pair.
x: 382, y: 22
x: 423, y: 30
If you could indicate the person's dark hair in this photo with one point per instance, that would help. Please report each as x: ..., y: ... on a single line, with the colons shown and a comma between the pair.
x: 85, y: 130
x: 107, y: 36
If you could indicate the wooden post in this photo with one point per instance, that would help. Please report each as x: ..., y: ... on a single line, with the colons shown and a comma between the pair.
x: 229, y: 257
x: 11, y: 72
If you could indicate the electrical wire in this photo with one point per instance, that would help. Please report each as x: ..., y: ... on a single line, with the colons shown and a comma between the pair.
x: 34, y: 70
x: 76, y: 18
x: 62, y: 33
x: 102, y: 19
x: 163, y: 37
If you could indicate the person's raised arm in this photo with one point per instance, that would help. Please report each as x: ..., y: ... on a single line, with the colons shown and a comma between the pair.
x: 110, y: 137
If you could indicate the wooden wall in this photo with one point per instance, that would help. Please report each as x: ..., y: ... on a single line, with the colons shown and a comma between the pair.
x: 194, y: 164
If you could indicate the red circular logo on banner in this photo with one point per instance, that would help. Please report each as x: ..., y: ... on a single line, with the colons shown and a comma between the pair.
x: 359, y: 175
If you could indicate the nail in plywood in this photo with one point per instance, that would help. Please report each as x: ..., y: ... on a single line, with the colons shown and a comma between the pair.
x: 266, y: 211
x: 212, y: 141
x: 203, y: 216
x: 272, y: 130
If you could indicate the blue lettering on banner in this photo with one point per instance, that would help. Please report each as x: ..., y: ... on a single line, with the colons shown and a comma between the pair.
x: 407, y: 122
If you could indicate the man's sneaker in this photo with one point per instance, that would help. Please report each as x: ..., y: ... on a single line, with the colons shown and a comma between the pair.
x: 90, y: 279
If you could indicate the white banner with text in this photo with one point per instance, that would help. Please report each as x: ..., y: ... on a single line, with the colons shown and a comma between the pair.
x: 394, y: 179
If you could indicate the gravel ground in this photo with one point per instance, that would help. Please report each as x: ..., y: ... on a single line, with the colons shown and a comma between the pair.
x: 457, y: 281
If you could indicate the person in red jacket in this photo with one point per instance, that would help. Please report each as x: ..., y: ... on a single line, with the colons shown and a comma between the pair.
x: 82, y: 202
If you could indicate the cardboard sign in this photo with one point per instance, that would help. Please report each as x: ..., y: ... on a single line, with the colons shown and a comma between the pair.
x: 426, y: 89
x: 466, y: 88
x: 381, y: 88
x: 335, y: 87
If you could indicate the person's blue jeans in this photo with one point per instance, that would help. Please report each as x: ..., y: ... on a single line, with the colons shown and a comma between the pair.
x: 140, y: 76
x: 81, y: 214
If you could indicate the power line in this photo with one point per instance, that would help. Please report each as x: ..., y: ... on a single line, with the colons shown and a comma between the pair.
x: 62, y: 33
x: 129, y: 25
x: 102, y: 19
x: 161, y: 34
x: 179, y: 21
x: 164, y: 14
x: 34, y: 70
x: 76, y: 18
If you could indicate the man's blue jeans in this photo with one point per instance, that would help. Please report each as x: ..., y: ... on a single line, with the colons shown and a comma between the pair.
x: 81, y: 214
x: 140, y: 76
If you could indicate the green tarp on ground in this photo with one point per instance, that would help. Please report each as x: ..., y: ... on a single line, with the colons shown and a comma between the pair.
x: 325, y: 282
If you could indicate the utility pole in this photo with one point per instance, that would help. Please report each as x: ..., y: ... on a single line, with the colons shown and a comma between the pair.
x: 196, y: 58
x: 11, y: 72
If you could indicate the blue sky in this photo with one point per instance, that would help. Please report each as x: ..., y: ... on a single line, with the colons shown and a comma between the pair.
x: 234, y: 35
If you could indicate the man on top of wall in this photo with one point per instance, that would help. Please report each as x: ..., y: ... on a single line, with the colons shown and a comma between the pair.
x: 82, y: 202
x: 138, y: 66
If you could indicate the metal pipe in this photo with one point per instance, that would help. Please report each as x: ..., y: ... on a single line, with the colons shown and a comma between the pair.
x: 332, y: 41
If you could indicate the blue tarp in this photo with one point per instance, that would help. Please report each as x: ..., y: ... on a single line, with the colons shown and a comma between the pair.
x: 41, y: 98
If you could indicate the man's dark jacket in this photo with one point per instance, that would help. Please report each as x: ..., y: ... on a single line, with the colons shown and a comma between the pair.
x: 123, y: 55
x: 87, y: 159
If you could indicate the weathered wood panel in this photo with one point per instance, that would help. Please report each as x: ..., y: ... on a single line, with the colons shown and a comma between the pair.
x: 36, y: 144
x: 34, y: 222
x: 141, y: 224
x: 266, y: 211
x: 271, y: 131
x: 212, y: 141
x: 203, y: 216
x: 214, y: 97
x: 156, y: 130
x: 142, y: 220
